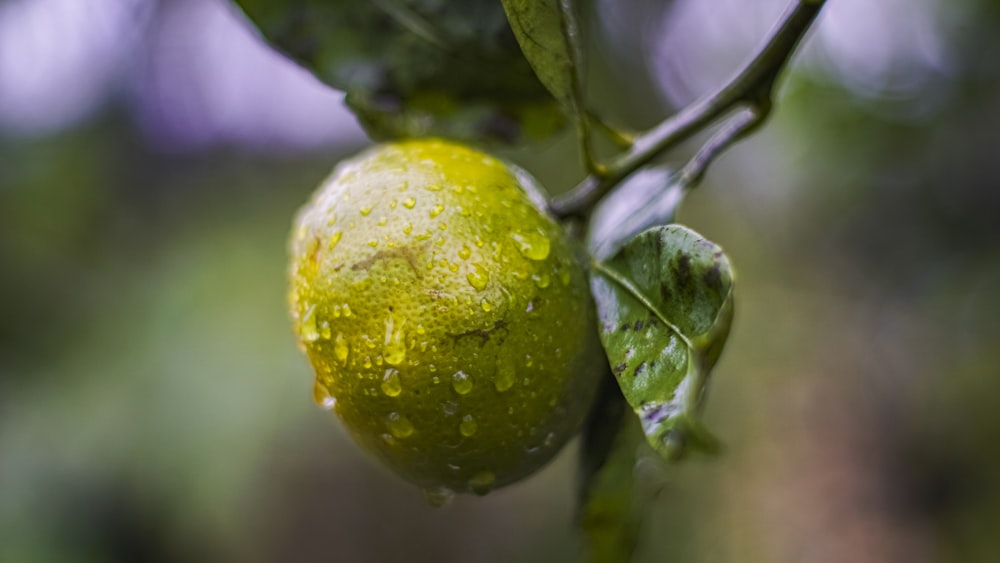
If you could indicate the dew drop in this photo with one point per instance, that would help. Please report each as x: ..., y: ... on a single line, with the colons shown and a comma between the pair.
x: 399, y: 425
x: 409, y: 202
x: 564, y: 277
x: 482, y: 482
x: 324, y: 330
x: 533, y: 246
x: 335, y: 238
x: 465, y: 252
x: 394, y: 345
x: 382, y: 221
x: 346, y: 310
x: 478, y: 277
x: 368, y: 362
x: 340, y: 348
x: 541, y: 280
x: 373, y: 243
x: 365, y: 211
x: 323, y: 397
x: 439, y: 496
x: 408, y: 229
x: 391, y: 385
x: 308, y: 327
x: 388, y: 439
x: 434, y: 187
x: 486, y: 306
x: 436, y: 210
x: 505, y: 374
x: 468, y: 426
x: 461, y: 382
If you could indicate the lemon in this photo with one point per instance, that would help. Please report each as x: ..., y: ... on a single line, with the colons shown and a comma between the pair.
x: 446, y: 315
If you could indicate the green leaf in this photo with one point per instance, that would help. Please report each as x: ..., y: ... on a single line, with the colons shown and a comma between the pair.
x: 413, y: 68
x: 546, y: 31
x: 665, y: 303
x: 648, y: 198
x: 612, y: 501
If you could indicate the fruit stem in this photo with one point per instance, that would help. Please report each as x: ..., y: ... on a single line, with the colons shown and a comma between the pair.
x: 751, y: 87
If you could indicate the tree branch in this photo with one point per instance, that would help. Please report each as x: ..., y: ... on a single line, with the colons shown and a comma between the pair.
x: 752, y: 86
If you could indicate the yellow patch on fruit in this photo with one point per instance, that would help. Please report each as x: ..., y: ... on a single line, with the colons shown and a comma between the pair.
x: 443, y: 347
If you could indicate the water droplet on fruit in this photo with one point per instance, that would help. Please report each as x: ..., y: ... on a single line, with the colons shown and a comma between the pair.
x: 335, y: 238
x: 461, y: 382
x: 439, y: 496
x: 340, y: 348
x: 409, y: 202
x: 505, y: 374
x: 408, y: 229
x: 324, y: 330
x: 434, y: 187
x: 533, y: 246
x: 323, y: 397
x: 486, y: 306
x: 382, y: 221
x: 308, y: 325
x: 465, y: 253
x: 391, y: 385
x: 564, y: 277
x: 478, y: 277
x: 482, y: 482
x: 541, y: 280
x: 468, y: 426
x: 436, y: 210
x: 399, y: 425
x: 365, y: 211
x: 394, y: 345
x: 346, y: 310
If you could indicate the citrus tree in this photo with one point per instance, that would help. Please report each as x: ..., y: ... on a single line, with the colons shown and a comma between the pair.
x: 462, y: 324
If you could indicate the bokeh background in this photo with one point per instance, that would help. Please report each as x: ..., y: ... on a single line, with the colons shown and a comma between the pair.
x: 154, y: 407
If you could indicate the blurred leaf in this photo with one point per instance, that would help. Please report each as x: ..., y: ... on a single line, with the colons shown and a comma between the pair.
x: 547, y: 34
x: 665, y: 304
x: 611, y: 505
x: 416, y: 68
x: 648, y: 198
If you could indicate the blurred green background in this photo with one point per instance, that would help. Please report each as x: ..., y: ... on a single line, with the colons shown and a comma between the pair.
x: 154, y: 407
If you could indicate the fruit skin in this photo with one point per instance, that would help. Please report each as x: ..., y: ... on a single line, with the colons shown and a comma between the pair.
x: 447, y: 316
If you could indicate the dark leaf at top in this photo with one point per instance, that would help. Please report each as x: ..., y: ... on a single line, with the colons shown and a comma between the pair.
x: 413, y: 68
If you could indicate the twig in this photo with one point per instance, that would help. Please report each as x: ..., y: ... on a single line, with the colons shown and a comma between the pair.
x: 752, y: 86
x: 742, y: 125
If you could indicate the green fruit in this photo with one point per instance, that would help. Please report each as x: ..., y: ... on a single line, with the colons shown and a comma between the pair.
x: 447, y: 316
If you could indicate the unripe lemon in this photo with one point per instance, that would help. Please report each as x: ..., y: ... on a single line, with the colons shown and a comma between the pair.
x: 447, y: 316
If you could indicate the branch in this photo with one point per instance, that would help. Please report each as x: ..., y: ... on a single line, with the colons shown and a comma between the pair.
x: 752, y: 86
x: 746, y: 122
